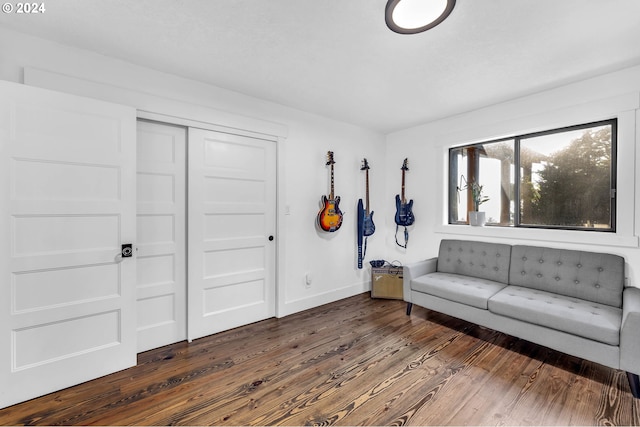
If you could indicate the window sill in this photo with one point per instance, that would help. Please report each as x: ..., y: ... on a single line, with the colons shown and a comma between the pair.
x: 560, y: 236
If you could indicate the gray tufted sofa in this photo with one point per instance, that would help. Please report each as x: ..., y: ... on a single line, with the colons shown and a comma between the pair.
x: 571, y: 301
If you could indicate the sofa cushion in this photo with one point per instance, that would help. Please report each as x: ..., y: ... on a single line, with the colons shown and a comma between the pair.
x: 467, y: 290
x: 590, y: 276
x: 478, y: 259
x: 587, y: 319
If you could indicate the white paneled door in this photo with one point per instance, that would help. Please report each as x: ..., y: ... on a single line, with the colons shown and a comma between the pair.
x: 67, y: 204
x: 161, y: 235
x: 231, y: 236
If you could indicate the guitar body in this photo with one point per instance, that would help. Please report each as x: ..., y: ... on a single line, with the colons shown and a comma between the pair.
x: 330, y: 216
x: 404, y: 215
x: 368, y: 227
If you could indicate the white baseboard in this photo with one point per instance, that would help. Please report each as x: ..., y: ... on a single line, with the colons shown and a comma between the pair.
x: 295, y: 306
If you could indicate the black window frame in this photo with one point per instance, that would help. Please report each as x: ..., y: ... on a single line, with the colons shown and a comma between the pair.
x: 454, y: 185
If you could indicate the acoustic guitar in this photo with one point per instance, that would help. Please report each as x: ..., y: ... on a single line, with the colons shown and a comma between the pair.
x: 330, y: 216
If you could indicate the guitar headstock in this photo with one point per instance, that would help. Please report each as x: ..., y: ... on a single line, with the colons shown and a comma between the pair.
x: 330, y: 158
x: 365, y: 165
x: 405, y: 165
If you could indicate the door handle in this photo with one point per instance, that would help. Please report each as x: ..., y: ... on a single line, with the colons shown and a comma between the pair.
x: 126, y: 250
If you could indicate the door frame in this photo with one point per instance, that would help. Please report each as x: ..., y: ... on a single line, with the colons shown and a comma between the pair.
x: 280, y: 209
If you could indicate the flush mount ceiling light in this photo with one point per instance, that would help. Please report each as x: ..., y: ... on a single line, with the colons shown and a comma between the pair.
x: 416, y: 16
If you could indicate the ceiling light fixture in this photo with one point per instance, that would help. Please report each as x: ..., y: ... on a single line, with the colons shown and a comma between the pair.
x: 416, y: 16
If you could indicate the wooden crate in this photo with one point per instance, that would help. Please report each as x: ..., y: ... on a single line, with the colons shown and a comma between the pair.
x: 386, y: 282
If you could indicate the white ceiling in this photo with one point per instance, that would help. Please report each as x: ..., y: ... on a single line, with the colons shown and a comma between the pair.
x: 337, y: 58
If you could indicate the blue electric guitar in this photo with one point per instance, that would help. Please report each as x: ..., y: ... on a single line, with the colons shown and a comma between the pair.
x: 366, y: 227
x: 367, y: 219
x: 404, y: 214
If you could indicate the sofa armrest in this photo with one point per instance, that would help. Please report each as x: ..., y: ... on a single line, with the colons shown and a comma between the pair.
x: 416, y: 269
x: 630, y: 332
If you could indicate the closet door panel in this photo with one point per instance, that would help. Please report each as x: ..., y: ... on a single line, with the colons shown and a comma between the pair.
x: 232, y: 224
x: 161, y: 234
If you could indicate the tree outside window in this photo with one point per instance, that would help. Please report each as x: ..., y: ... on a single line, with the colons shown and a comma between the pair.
x: 566, y: 178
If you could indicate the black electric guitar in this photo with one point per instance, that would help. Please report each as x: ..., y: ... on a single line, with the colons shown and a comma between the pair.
x: 330, y: 216
x: 404, y: 214
x: 368, y: 227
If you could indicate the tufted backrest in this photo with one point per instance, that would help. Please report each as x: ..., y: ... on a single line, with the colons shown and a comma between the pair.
x: 479, y: 259
x: 590, y: 276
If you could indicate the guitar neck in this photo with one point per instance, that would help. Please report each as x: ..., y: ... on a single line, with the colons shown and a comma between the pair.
x: 367, y: 180
x: 404, y: 200
x: 331, y: 197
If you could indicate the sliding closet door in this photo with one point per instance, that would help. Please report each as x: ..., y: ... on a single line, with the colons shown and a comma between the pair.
x: 232, y: 224
x: 161, y: 235
x: 67, y: 204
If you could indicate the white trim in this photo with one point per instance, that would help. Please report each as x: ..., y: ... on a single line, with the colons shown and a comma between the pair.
x: 636, y: 210
x: 281, y: 228
x: 541, y: 235
x: 295, y: 306
x: 151, y: 104
x: 181, y: 121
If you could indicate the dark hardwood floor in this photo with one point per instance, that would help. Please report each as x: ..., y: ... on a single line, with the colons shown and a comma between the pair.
x: 353, y: 362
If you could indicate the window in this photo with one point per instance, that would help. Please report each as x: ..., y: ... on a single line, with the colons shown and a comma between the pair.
x: 562, y: 178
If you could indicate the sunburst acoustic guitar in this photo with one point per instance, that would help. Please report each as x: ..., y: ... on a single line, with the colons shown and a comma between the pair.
x: 330, y: 216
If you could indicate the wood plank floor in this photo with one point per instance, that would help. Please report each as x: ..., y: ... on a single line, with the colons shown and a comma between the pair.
x: 353, y: 362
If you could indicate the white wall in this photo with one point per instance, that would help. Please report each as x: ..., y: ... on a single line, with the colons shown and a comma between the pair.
x: 329, y: 257
x: 612, y: 95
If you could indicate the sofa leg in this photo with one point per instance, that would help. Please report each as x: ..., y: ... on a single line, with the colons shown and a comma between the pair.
x: 634, y: 383
x: 409, y: 307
